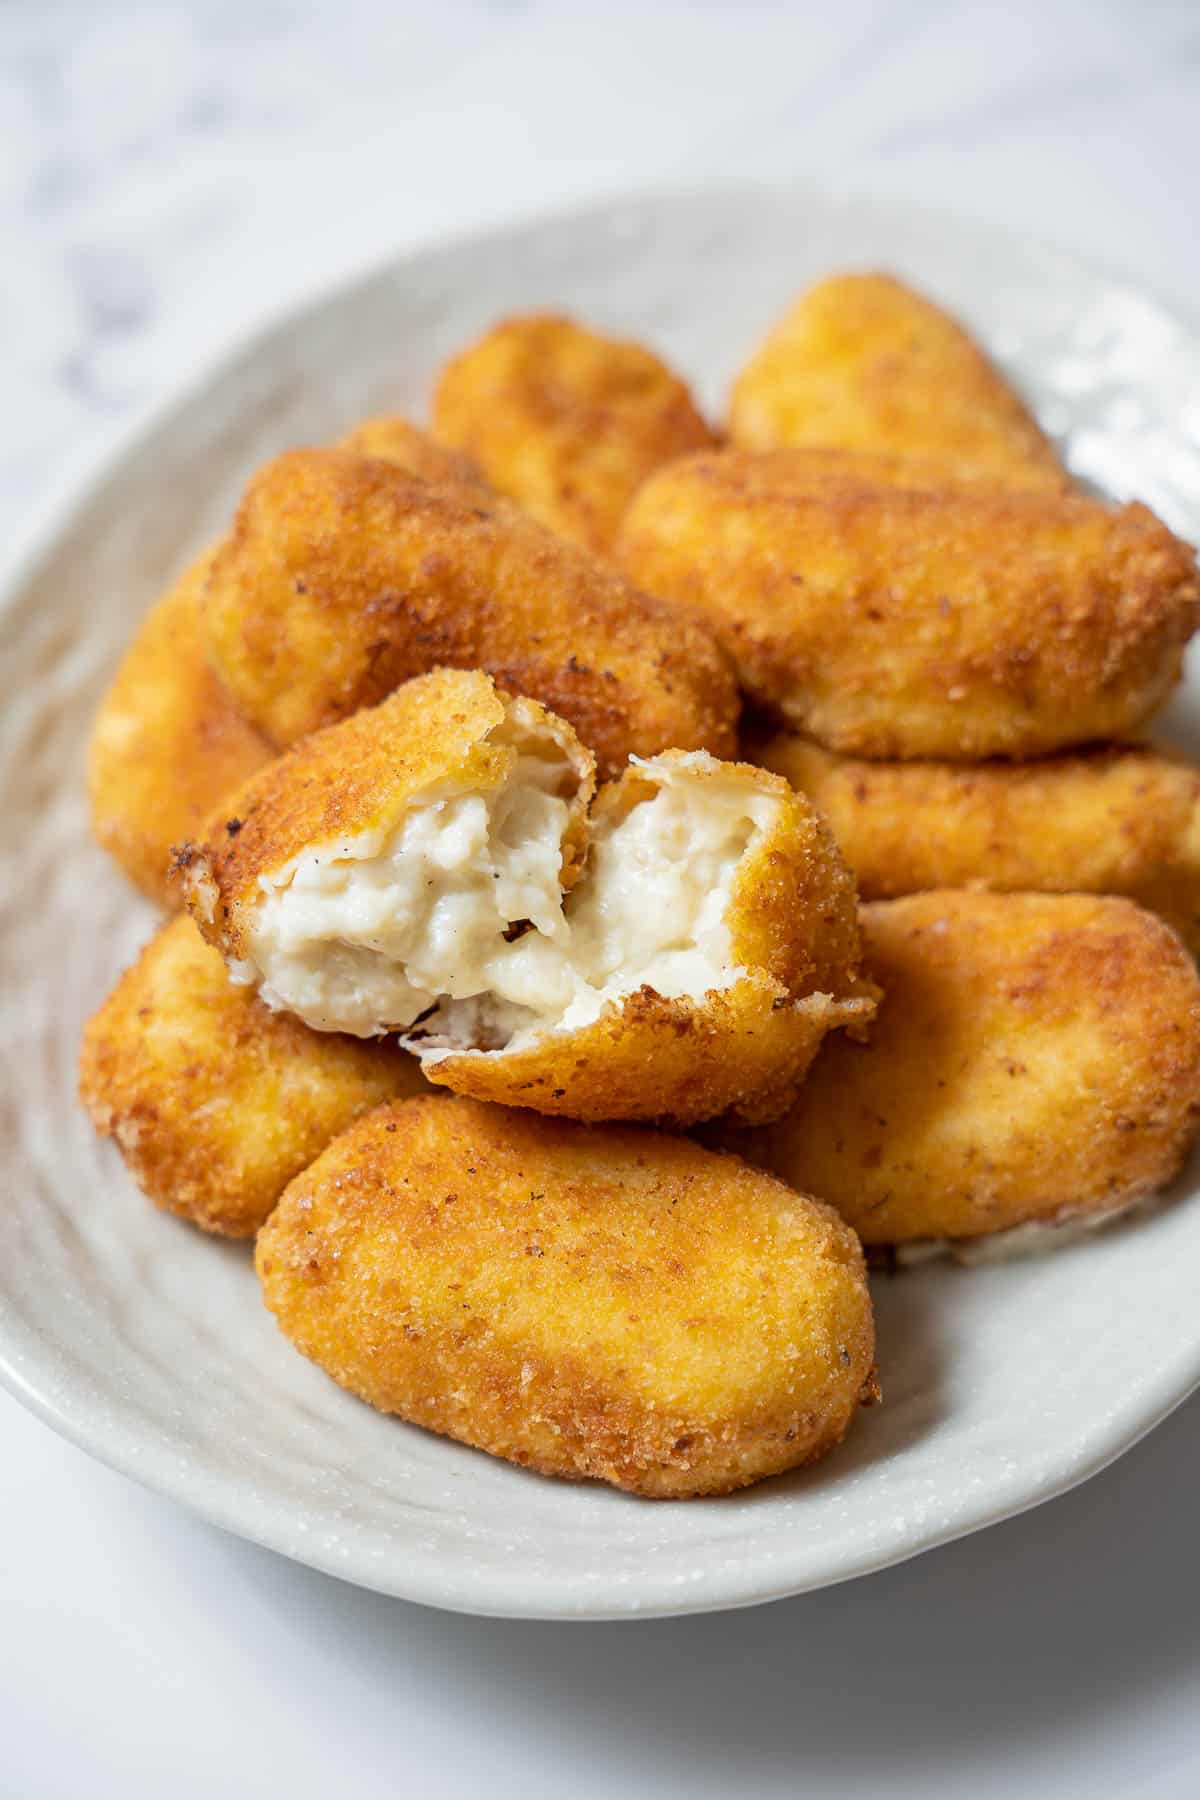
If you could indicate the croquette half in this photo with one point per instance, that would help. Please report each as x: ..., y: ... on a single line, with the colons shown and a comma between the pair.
x: 431, y: 867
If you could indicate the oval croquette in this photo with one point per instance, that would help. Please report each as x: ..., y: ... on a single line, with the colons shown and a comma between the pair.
x: 1036, y: 1057
x: 895, y: 622
x: 1123, y: 819
x: 587, y: 1302
x: 344, y: 576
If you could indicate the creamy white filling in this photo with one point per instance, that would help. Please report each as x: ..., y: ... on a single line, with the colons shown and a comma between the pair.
x: 366, y: 934
x: 455, y: 923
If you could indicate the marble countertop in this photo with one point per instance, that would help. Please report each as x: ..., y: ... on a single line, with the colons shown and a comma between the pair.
x: 172, y: 174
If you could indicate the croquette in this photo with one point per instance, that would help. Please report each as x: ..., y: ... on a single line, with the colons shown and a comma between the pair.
x: 166, y: 745
x: 431, y: 867
x: 588, y: 1302
x: 344, y: 576
x: 214, y: 1101
x: 1124, y: 819
x: 895, y: 622
x: 565, y: 421
x: 863, y: 362
x: 1035, y: 1059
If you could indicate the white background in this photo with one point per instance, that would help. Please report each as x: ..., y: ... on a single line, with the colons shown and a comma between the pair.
x: 171, y: 174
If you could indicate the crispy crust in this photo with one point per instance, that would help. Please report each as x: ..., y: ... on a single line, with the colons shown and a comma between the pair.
x: 166, y: 745
x: 565, y: 421
x: 214, y: 1102
x: 344, y: 577
x: 362, y: 776
x: 895, y: 623
x: 611, y: 1304
x: 865, y: 363
x: 742, y: 1051
x: 393, y: 439
x: 1124, y: 819
x: 1036, y: 1056
x: 793, y: 923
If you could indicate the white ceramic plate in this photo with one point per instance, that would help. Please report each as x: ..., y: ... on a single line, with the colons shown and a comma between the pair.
x: 146, y: 1343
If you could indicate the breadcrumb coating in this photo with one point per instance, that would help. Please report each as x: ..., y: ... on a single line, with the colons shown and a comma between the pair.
x: 596, y: 1303
x: 344, y: 577
x: 167, y: 744
x: 214, y: 1102
x: 565, y: 421
x: 1036, y: 1058
x: 864, y: 362
x: 893, y: 622
x: 1122, y: 819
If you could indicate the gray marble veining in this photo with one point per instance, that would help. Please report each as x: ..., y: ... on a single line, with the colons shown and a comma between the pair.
x: 170, y: 174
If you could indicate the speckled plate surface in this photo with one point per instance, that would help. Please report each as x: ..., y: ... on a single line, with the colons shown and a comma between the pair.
x: 147, y: 1344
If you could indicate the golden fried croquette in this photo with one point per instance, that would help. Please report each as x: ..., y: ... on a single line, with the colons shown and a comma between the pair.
x: 587, y: 1302
x: 1124, y: 819
x: 865, y: 363
x: 1036, y: 1058
x: 896, y: 622
x: 345, y: 576
x: 393, y: 439
x: 406, y: 870
x: 449, y: 813
x: 167, y: 744
x: 565, y: 421
x: 214, y: 1101
x: 713, y: 945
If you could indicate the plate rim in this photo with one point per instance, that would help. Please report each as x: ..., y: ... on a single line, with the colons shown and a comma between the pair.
x: 414, y: 1575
